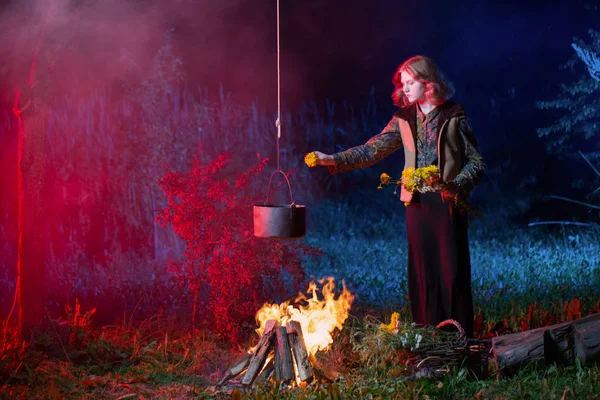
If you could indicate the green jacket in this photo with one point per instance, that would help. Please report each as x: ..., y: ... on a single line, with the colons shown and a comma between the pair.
x: 458, y: 157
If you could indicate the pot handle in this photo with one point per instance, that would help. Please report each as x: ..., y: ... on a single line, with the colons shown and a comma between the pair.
x: 288, y: 183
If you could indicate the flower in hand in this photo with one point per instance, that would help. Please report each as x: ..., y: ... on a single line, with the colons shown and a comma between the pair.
x: 311, y: 159
x: 385, y: 180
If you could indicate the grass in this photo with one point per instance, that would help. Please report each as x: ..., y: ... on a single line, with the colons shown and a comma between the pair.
x: 367, y: 247
x: 187, y: 366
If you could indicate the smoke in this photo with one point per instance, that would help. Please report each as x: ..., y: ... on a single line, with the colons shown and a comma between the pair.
x: 231, y: 43
x: 84, y: 44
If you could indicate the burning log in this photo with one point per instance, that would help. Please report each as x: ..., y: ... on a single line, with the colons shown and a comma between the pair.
x: 299, y: 349
x: 240, y: 366
x: 560, y: 343
x: 262, y: 351
x: 323, y: 370
x: 284, y: 365
x: 287, y: 351
x: 279, y: 342
x: 266, y: 372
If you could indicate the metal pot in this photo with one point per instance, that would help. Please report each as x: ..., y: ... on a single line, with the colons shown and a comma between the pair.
x: 277, y: 221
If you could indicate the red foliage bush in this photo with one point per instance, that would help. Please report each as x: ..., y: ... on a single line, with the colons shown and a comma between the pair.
x: 229, y: 271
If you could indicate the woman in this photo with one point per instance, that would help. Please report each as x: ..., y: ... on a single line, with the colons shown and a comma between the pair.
x: 433, y: 131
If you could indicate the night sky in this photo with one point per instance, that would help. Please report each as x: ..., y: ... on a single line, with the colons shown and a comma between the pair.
x: 335, y: 49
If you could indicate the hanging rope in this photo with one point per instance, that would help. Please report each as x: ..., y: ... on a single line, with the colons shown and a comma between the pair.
x: 278, y: 121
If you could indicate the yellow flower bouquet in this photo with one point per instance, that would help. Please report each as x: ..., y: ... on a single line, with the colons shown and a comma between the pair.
x: 423, y: 180
x: 426, y: 179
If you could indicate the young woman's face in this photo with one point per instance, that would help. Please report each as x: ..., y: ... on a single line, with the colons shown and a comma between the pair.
x: 412, y: 88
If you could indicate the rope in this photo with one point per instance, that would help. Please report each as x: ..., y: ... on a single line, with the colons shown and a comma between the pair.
x: 278, y: 121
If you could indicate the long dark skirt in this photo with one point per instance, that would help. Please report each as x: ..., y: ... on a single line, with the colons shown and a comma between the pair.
x: 439, y: 266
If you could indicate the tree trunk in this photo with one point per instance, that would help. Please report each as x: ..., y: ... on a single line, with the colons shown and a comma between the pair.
x: 560, y: 343
x: 31, y: 269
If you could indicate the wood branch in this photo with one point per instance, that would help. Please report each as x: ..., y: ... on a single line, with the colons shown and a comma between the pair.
x: 589, y: 163
x: 574, y: 223
x: 593, y: 193
x: 284, y: 365
x: 555, y: 343
x: 576, y: 202
x: 299, y: 349
x: 265, y: 344
x: 323, y: 370
x: 237, y: 368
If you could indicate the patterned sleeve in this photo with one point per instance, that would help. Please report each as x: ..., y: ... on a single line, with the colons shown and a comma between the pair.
x: 472, y: 171
x: 378, y: 147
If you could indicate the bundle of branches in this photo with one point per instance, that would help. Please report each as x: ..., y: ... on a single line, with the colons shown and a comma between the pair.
x: 427, y: 351
x: 450, y: 350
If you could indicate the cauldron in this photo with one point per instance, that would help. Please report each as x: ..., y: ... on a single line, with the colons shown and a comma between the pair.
x: 279, y: 221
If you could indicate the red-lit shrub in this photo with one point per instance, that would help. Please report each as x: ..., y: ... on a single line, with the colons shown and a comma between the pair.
x: 229, y: 272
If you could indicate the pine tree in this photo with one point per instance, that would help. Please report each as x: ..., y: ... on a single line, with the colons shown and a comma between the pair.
x: 580, y: 100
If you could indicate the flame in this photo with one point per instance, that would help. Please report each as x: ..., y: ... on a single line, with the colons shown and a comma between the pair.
x: 318, y: 318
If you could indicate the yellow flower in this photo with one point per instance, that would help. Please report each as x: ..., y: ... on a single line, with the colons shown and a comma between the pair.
x: 408, y: 179
x: 427, y: 173
x: 311, y: 159
x: 421, y: 179
x: 408, y: 173
x: 391, y: 327
x: 385, y: 179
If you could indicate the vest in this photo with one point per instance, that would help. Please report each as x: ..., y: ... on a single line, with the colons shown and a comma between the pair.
x: 449, y: 149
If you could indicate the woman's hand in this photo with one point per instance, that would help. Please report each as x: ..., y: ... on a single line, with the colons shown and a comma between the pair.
x: 323, y: 159
x: 451, y: 189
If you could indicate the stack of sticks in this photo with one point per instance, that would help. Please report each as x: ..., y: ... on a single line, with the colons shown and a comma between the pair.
x: 280, y: 354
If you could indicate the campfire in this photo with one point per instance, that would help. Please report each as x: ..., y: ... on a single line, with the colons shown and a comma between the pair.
x: 290, y: 337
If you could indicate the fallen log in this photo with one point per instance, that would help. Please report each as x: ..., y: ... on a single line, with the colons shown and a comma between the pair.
x: 578, y: 340
x: 588, y: 340
x: 559, y: 343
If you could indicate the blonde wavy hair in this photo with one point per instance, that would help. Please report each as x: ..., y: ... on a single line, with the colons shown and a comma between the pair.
x: 424, y: 70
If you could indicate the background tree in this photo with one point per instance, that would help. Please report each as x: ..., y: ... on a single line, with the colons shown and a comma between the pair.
x: 31, y: 109
x: 578, y: 128
x: 580, y: 101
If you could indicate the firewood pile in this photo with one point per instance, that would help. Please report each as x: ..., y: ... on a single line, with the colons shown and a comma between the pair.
x: 280, y: 354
